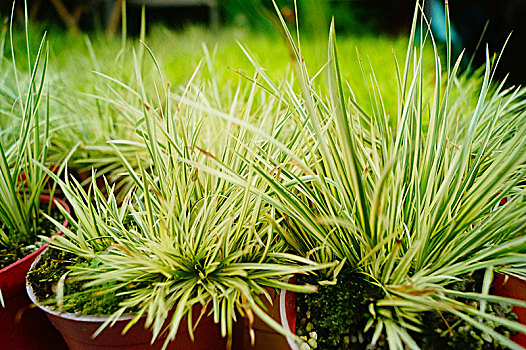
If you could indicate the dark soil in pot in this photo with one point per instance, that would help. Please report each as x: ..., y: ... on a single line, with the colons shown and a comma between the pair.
x: 21, y: 246
x: 437, y: 335
x: 334, y: 318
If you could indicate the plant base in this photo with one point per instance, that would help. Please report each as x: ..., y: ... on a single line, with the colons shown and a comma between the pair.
x: 21, y: 325
x: 77, y: 331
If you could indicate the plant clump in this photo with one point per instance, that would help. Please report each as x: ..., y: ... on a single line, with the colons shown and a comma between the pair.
x: 334, y: 318
x: 411, y: 198
x: 22, y: 182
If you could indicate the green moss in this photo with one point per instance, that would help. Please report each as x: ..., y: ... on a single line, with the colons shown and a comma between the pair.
x: 13, y: 251
x: 336, y: 317
x: 337, y: 313
x: 77, y: 298
x: 18, y: 247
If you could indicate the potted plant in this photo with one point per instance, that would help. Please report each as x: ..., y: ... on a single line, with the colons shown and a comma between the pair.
x: 24, y: 205
x: 409, y: 202
x: 185, y: 254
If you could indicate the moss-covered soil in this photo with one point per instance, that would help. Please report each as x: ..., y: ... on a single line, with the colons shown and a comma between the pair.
x: 77, y: 298
x: 334, y: 318
x: 19, y: 247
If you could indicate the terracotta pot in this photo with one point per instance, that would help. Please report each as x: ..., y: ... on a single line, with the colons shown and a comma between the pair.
x: 512, y: 287
x: 77, y: 331
x: 264, y: 334
x: 506, y: 286
x: 22, y: 326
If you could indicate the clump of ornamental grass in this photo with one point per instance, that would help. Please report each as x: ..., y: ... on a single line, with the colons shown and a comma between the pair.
x: 109, y: 114
x: 88, y: 109
x: 26, y: 139
x: 100, y: 111
x: 120, y: 109
x: 411, y: 201
x: 182, y: 237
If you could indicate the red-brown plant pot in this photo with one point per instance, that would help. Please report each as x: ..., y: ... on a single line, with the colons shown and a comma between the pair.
x: 263, y: 333
x: 506, y: 286
x: 22, y: 326
x: 287, y: 312
x: 513, y: 287
x: 78, y: 330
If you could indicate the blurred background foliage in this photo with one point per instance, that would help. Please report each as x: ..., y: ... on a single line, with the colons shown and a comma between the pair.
x: 476, y: 22
x: 351, y: 16
x: 179, y: 37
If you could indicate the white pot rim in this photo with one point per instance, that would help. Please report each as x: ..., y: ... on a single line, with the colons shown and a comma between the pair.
x: 283, y: 318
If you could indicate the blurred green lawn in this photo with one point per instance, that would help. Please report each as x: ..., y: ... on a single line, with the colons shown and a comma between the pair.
x: 73, y: 58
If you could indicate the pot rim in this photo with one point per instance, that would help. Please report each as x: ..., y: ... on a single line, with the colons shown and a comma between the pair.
x: 68, y: 315
x: 283, y: 317
x: 45, y: 199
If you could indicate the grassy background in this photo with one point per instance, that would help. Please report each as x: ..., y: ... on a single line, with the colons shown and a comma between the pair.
x: 73, y: 58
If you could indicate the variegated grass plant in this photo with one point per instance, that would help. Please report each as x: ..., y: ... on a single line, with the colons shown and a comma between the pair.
x: 101, y: 111
x: 109, y: 113
x: 182, y: 237
x: 25, y: 139
x: 21, y: 181
x: 410, y: 200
